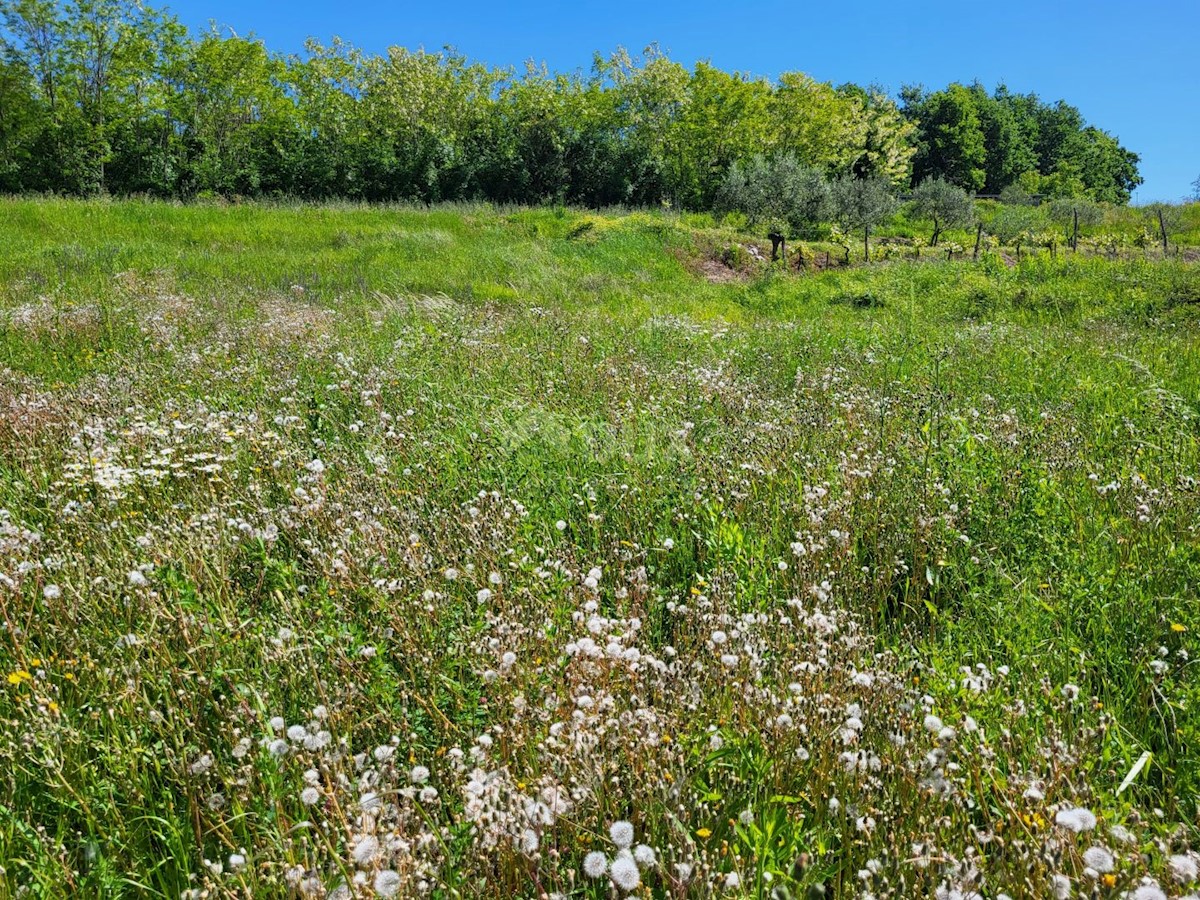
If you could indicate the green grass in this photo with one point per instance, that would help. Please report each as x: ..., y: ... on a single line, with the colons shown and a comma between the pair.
x: 982, y: 474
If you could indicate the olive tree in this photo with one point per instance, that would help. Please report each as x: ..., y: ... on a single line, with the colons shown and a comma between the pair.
x: 1016, y: 224
x: 946, y: 204
x: 862, y: 203
x: 776, y: 192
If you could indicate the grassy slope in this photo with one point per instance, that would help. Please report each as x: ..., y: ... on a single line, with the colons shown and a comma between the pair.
x: 576, y: 365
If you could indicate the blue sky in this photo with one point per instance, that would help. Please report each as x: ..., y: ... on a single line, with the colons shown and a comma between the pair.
x: 1132, y: 69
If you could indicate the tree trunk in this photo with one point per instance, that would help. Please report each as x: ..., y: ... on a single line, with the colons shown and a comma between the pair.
x: 1075, y: 233
x: 867, y: 244
x: 978, y: 240
x: 933, y: 241
x: 1162, y: 227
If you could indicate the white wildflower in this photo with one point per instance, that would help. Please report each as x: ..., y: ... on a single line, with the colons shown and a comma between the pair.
x: 1076, y: 819
x: 621, y: 833
x: 595, y: 864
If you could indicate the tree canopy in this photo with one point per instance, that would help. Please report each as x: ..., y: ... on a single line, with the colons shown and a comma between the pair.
x: 113, y: 96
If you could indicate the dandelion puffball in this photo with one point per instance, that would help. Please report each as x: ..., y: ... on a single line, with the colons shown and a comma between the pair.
x: 644, y: 856
x: 1076, y: 819
x: 387, y: 883
x: 621, y: 833
x: 624, y: 873
x: 1099, y: 859
x: 595, y: 864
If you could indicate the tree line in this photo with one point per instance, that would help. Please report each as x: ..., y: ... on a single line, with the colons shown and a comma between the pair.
x: 115, y: 97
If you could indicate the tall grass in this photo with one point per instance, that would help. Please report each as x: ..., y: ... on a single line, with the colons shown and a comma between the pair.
x: 379, y: 551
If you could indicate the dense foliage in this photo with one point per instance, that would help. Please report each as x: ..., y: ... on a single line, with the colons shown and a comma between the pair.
x: 988, y: 142
x: 110, y: 96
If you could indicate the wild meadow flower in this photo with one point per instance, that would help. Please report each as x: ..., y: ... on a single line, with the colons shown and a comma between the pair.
x: 624, y: 872
x: 1076, y: 819
x: 419, y: 775
x: 52, y: 592
x: 1099, y: 859
x: 309, y: 796
x: 387, y: 883
x: 595, y: 864
x: 621, y: 833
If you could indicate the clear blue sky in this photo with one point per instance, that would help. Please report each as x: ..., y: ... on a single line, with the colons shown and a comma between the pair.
x: 1133, y: 69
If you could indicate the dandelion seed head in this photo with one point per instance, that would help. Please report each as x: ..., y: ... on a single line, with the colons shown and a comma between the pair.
x: 387, y: 883
x: 365, y: 851
x: 621, y: 833
x: 595, y: 864
x: 1098, y: 858
x: 1076, y: 819
x: 624, y: 873
x: 644, y: 856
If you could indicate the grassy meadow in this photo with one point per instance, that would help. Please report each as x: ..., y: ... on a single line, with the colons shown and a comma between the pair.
x: 471, y: 552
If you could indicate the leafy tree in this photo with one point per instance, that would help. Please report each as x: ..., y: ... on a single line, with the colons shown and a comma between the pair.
x: 862, y: 203
x: 727, y: 118
x: 951, y: 143
x: 946, y: 204
x: 886, y: 138
x: 778, y: 192
x: 818, y: 125
x: 19, y: 124
x: 1196, y: 189
x: 651, y: 94
x: 1010, y: 151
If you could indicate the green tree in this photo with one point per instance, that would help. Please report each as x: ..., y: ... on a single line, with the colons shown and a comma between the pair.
x: 886, y: 149
x: 945, y: 204
x: 817, y: 124
x: 727, y: 118
x: 1009, y: 148
x: 19, y: 123
x: 777, y: 192
x: 650, y: 97
x: 951, y: 141
x: 862, y: 203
